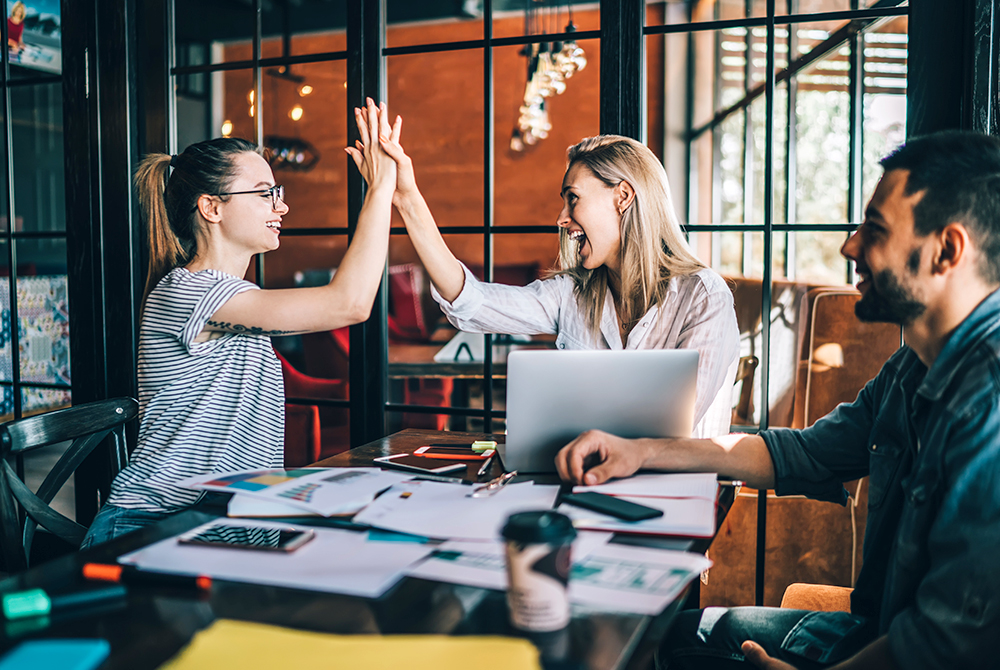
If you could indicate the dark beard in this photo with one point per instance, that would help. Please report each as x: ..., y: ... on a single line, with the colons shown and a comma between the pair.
x: 888, y: 301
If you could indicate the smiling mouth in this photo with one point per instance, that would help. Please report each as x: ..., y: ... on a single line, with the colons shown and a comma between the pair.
x: 579, y: 237
x: 274, y: 225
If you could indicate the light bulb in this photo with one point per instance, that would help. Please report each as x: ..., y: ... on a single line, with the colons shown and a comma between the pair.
x: 250, y: 96
x: 251, y: 110
x: 305, y: 89
x: 227, y: 128
x: 295, y: 113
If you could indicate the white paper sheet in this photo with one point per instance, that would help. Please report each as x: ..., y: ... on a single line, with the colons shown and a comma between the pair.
x: 687, y: 517
x: 245, y: 506
x: 445, y: 511
x: 483, y: 564
x: 335, y: 561
x: 680, y: 485
x: 323, y: 491
x: 606, y: 577
x: 620, y: 578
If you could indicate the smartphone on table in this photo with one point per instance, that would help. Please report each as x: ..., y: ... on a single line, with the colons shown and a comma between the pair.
x: 458, y: 452
x: 612, y: 506
x: 412, y: 463
x: 248, y: 537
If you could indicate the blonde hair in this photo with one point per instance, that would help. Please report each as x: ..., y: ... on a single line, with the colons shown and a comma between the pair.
x: 170, y: 205
x: 18, y: 7
x: 653, y: 247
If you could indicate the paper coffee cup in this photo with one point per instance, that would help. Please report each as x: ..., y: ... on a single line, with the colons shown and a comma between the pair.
x: 538, y: 565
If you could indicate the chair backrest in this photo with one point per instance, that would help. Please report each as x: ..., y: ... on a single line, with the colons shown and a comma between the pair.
x: 84, y: 427
x: 838, y: 354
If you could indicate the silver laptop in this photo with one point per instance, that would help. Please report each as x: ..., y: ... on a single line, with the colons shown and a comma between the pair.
x: 553, y: 396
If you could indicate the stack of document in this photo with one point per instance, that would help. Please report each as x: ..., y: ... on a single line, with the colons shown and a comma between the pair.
x: 686, y: 500
x: 322, y: 491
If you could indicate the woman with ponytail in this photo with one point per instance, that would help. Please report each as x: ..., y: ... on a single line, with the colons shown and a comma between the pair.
x: 626, y: 277
x: 210, y: 388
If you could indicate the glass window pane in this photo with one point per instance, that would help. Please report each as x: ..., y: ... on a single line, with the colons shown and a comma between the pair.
x: 305, y: 138
x: 822, y: 137
x: 42, y: 311
x: 37, y: 141
x: 533, y: 132
x: 885, y: 96
x: 235, y: 111
x: 302, y: 28
x: 412, y: 23
x: 516, y: 18
x: 222, y: 30
x: 440, y: 97
x: 34, y: 37
x: 685, y: 11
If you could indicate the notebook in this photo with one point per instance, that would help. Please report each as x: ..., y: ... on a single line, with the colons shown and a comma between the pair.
x: 553, y: 396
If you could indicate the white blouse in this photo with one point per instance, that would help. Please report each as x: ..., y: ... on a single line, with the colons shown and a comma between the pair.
x: 697, y: 313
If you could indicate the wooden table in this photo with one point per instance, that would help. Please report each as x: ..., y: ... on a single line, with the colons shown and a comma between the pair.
x: 157, y: 622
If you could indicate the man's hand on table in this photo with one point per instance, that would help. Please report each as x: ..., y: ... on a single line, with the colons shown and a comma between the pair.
x: 595, y: 457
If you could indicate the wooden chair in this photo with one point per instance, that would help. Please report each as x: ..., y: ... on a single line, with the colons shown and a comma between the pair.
x: 21, y: 510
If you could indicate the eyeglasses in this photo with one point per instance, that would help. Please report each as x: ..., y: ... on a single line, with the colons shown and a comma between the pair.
x: 277, y: 193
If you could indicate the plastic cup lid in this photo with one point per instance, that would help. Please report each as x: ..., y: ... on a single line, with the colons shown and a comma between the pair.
x: 538, y: 527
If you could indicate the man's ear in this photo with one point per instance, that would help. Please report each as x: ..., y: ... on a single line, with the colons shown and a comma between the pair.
x: 624, y: 195
x: 953, y: 248
x: 210, y: 208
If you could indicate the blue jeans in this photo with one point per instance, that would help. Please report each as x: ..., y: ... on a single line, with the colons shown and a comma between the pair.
x: 710, y: 639
x: 111, y: 522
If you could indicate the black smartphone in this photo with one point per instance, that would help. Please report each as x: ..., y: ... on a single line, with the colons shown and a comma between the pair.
x: 612, y: 506
x: 248, y: 537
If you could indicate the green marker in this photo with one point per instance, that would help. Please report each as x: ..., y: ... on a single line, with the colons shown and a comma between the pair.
x: 36, y: 602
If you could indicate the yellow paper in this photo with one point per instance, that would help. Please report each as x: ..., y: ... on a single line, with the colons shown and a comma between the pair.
x: 238, y: 644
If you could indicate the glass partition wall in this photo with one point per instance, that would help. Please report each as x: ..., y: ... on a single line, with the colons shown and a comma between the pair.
x: 769, y: 116
x: 34, y: 312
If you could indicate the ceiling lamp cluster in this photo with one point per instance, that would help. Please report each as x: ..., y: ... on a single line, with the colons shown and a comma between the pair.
x: 549, y: 66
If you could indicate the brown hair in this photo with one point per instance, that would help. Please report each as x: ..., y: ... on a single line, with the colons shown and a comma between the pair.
x: 170, y: 204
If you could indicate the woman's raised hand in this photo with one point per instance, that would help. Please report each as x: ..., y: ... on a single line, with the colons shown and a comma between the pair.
x: 373, y: 162
x: 406, y: 183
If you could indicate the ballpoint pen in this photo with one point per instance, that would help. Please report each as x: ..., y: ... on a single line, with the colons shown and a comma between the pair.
x: 493, y: 485
x: 485, y: 467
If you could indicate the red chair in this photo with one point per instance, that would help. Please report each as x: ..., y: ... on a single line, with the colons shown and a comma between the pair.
x: 307, y: 438
x: 327, y: 354
x: 406, y: 308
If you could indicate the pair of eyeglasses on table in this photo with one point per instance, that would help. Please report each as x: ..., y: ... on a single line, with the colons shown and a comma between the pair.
x: 493, y: 486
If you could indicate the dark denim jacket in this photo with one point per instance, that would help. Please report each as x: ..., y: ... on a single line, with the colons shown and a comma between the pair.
x: 930, y: 442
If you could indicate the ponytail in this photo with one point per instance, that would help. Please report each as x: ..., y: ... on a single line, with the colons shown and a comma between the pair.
x: 165, y: 249
x: 170, y: 202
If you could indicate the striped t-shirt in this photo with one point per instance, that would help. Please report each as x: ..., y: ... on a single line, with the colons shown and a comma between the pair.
x: 212, y: 406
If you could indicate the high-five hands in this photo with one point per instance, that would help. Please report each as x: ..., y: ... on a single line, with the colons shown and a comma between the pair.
x: 595, y: 457
x: 369, y: 154
x: 388, y: 140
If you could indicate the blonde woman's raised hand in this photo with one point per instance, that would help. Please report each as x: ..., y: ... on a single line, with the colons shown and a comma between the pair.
x: 376, y: 166
x: 406, y: 183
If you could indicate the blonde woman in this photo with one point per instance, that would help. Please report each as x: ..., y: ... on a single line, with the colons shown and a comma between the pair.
x: 626, y: 279
x: 15, y: 27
